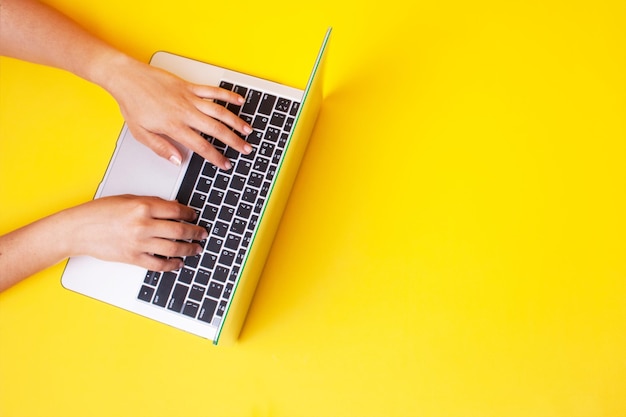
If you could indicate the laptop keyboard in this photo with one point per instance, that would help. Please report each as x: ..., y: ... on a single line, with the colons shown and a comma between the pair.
x: 228, y: 204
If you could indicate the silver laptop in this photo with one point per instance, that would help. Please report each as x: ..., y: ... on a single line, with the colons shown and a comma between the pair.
x: 241, y: 208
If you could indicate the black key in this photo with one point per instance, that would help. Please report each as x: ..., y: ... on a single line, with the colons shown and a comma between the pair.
x: 186, y: 276
x: 289, y: 124
x: 283, y: 104
x: 191, y: 309
x: 204, y: 184
x: 282, y: 142
x: 272, y: 134
x: 271, y: 172
x: 221, y: 273
x: 163, y: 292
x: 226, y: 85
x: 221, y: 309
x: 265, y: 189
x: 221, y: 182
x: 255, y: 137
x: 186, y: 188
x: 259, y: 206
x: 267, y: 104
x: 255, y: 180
x: 232, y: 242
x: 252, y: 101
x: 220, y: 229
x: 238, y: 226
x: 233, y: 274
x: 207, y: 310
x: 277, y: 155
x: 196, y: 293
x: 294, y: 108
x: 241, y: 255
x: 178, y: 298
x: 237, y: 182
x: 197, y: 200
x: 250, y: 156
x: 261, y: 164
x: 231, y: 153
x: 246, y: 118
x: 232, y: 198
x: 209, y: 213
x: 227, y: 258
x: 260, y: 122
x: 278, y: 119
x: 202, y: 276
x: 226, y: 213
x: 192, y: 261
x: 152, y: 278
x: 247, y: 239
x: 244, y: 210
x: 215, y: 245
x: 266, y: 150
x: 215, y: 290
x: 242, y: 91
x: 209, y: 170
x: 233, y: 108
x: 250, y: 194
x: 228, y: 291
x: 216, y: 197
x: 145, y: 294
x: 243, y: 167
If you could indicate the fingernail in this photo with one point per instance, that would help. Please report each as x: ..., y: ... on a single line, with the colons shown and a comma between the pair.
x: 227, y: 165
x: 175, y: 160
x: 247, y: 130
x: 241, y: 100
x: 247, y: 148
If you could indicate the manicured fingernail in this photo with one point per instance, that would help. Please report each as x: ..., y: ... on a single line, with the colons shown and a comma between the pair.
x: 247, y: 148
x: 175, y: 160
x: 227, y: 165
x: 241, y: 100
x: 247, y: 130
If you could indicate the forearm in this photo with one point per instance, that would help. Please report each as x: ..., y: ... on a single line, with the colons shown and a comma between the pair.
x: 31, y: 249
x: 35, y: 32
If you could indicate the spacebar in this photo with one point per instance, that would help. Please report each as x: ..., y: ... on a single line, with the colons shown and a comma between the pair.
x: 189, y: 182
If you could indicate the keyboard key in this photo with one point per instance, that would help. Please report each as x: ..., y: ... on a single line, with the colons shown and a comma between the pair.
x: 222, y: 181
x: 232, y: 198
x: 209, y: 213
x: 272, y: 134
x: 198, y: 200
x: 238, y: 226
x: 294, y: 108
x: 228, y: 291
x: 261, y: 164
x: 152, y: 278
x: 260, y: 122
x: 252, y: 101
x: 207, y: 310
x: 221, y: 273
x: 232, y: 242
x: 289, y: 124
x: 234, y: 272
x: 255, y: 137
x: 250, y: 194
x: 196, y: 293
x: 189, y: 181
x: 202, y: 276
x: 277, y: 155
x: 145, y: 294
x: 215, y: 290
x: 243, y: 167
x: 192, y: 261
x: 191, y: 309
x: 216, y: 197
x: 178, y: 298
x: 220, y: 229
x: 278, y: 119
x: 244, y: 210
x: 226, y: 85
x: 267, y: 104
x: 283, y: 104
x: 204, y: 184
x: 221, y: 309
x: 226, y: 213
x: 165, y: 287
x: 237, y: 182
x: 227, y: 258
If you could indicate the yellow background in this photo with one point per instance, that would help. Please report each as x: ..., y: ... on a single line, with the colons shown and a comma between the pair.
x: 455, y: 243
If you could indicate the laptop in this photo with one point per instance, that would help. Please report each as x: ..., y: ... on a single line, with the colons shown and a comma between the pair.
x: 241, y: 208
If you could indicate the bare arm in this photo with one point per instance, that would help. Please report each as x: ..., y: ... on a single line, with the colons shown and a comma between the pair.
x: 126, y: 229
x: 158, y: 106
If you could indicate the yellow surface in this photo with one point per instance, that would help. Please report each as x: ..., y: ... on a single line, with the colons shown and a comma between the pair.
x: 455, y: 244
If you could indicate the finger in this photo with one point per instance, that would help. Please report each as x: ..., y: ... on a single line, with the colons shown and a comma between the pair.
x: 222, y: 114
x: 171, y: 249
x: 171, y: 210
x: 167, y: 229
x: 159, y: 144
x: 157, y: 263
x: 221, y: 132
x: 191, y: 139
x: 217, y: 93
